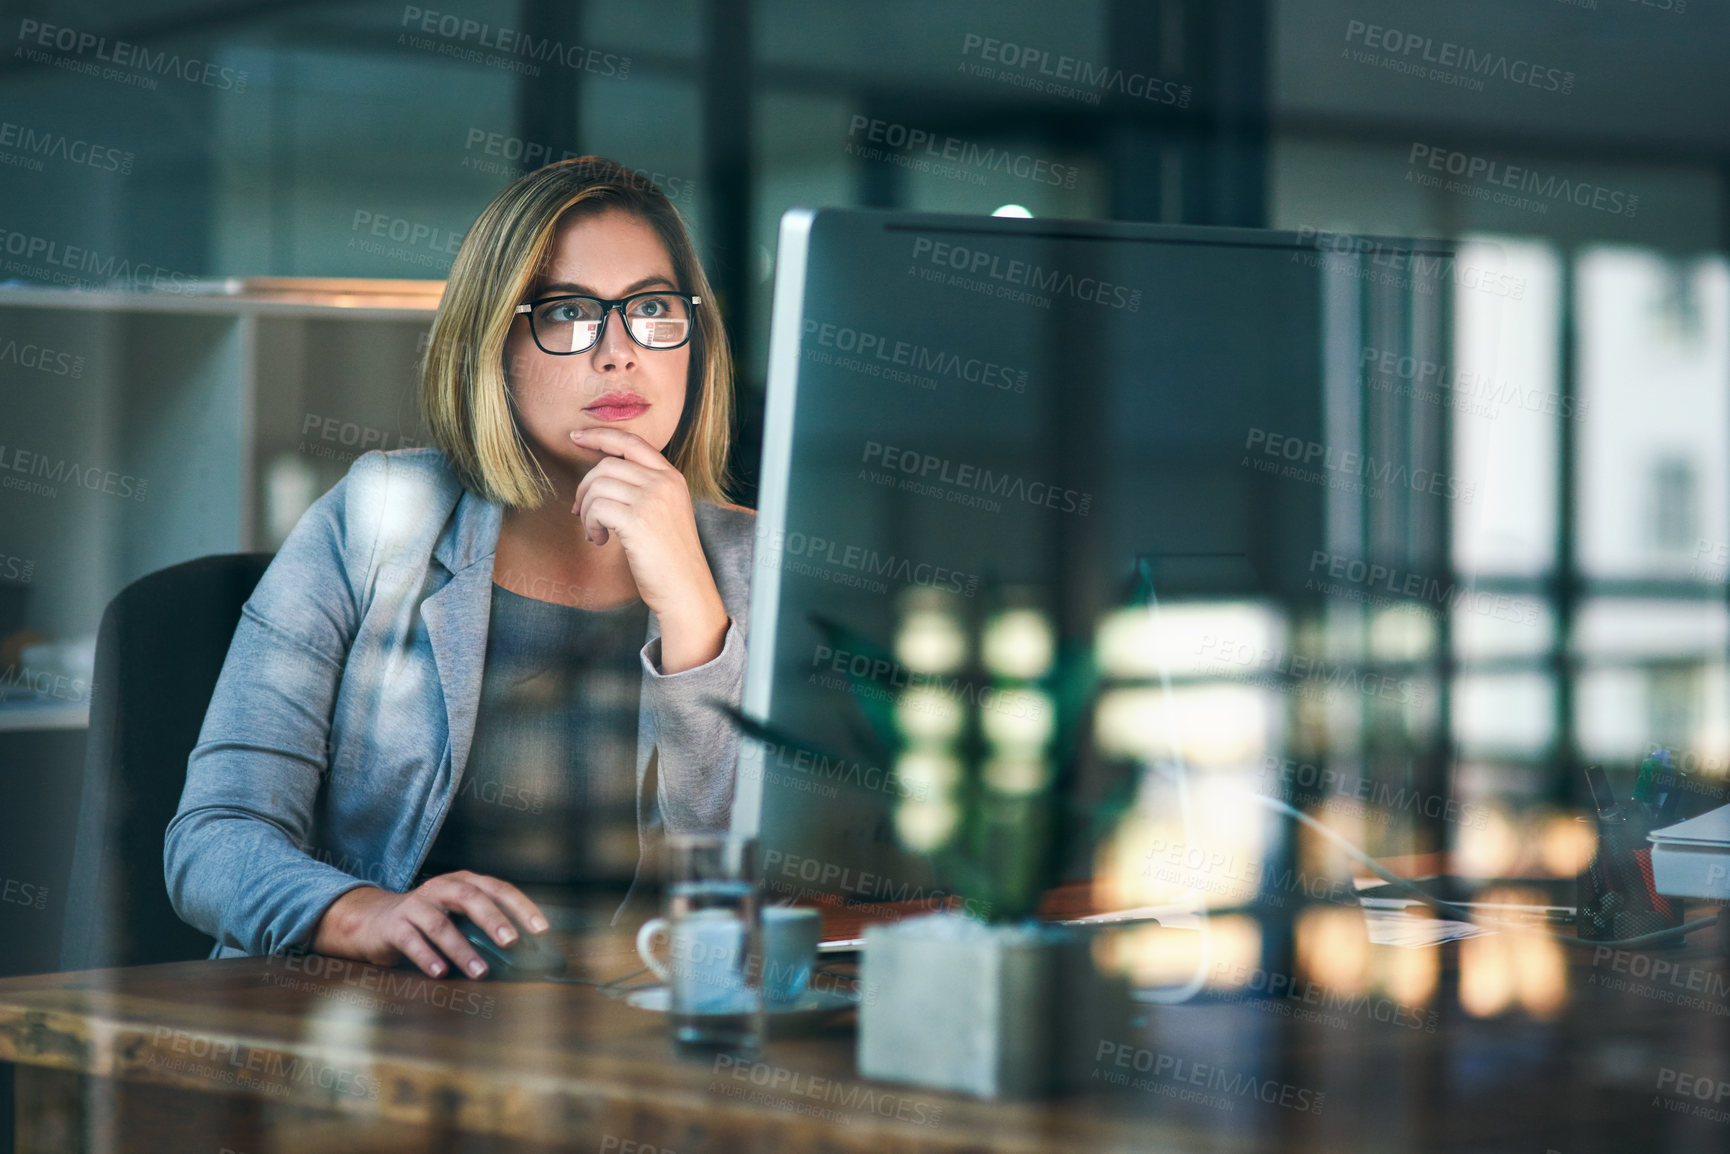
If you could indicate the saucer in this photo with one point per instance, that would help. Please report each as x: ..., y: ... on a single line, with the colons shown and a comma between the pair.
x: 810, y: 1010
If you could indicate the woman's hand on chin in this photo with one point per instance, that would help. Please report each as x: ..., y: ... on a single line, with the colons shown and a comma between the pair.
x: 382, y: 927
x: 634, y: 493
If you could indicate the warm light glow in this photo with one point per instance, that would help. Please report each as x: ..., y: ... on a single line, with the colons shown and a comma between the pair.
x: 1184, y: 638
x: 1214, y: 725
x: 1151, y: 858
x: 1533, y: 957
x: 931, y: 641
x: 1333, y: 949
x: 1566, y: 844
x: 1127, y: 868
x: 1410, y: 976
x: 1486, y: 979
x: 1541, y: 973
x: 1490, y: 848
x: 1320, y: 857
x: 1167, y: 957
x: 1017, y: 775
x: 928, y: 773
x: 1513, y: 966
x: 1018, y: 643
x: 924, y: 826
x: 1402, y: 633
x: 927, y: 714
x: 1019, y: 719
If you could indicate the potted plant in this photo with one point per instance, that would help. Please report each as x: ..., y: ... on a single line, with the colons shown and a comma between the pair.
x: 988, y: 735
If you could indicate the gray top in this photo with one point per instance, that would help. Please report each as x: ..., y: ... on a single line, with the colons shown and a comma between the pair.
x: 339, y: 731
x: 549, y: 794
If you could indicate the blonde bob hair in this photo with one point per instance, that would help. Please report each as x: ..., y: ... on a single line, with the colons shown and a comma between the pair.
x: 464, y: 393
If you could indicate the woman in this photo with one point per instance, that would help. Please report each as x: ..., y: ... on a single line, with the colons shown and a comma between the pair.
x: 418, y: 689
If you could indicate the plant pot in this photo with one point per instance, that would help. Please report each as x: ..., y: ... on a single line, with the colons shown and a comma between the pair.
x: 996, y: 1011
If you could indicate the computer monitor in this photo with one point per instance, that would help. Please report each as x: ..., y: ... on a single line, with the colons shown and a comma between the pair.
x: 1040, y: 410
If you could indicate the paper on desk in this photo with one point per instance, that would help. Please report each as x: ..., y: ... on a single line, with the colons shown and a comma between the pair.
x: 1387, y: 924
x: 1396, y: 928
x: 1709, y: 829
x: 1181, y: 916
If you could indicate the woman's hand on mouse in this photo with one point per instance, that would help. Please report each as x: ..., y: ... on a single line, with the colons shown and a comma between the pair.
x: 382, y: 927
x: 634, y: 492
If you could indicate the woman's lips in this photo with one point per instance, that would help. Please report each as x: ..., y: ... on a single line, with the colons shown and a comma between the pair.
x: 618, y: 407
x: 616, y: 412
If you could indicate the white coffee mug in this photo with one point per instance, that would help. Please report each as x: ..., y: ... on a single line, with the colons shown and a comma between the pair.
x: 703, y: 969
x: 702, y: 966
x: 790, y: 937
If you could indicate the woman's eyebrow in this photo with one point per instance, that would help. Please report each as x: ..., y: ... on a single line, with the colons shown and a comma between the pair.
x: 584, y: 290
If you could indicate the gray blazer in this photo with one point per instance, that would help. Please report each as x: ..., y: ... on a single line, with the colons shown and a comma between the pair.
x: 339, y: 729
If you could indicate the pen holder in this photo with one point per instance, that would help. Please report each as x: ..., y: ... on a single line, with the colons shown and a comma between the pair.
x: 1617, y: 896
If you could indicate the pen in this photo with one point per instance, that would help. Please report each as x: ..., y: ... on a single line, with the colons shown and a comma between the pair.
x: 1663, y: 783
x: 1614, y: 851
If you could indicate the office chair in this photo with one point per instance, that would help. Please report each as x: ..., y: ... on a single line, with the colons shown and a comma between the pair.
x: 158, y: 653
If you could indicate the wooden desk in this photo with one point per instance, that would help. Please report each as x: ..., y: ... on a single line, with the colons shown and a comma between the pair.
x: 313, y: 1054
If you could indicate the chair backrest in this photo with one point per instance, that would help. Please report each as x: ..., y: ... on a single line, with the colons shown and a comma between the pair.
x: 158, y: 653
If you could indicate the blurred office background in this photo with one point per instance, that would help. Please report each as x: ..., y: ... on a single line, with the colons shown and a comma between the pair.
x: 170, y: 142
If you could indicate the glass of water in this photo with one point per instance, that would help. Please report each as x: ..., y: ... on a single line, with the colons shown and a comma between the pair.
x: 714, y: 937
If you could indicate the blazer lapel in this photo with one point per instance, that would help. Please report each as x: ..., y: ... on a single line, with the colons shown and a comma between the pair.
x: 457, y: 616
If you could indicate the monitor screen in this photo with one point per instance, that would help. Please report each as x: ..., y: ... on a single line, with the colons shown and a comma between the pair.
x: 979, y: 420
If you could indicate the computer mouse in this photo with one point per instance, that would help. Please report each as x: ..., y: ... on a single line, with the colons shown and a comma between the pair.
x: 531, y: 958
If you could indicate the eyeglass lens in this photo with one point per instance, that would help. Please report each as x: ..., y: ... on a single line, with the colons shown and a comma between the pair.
x: 573, y: 324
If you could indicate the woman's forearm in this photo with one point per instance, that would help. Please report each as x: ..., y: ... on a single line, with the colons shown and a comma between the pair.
x: 697, y: 743
x: 338, y: 932
x: 694, y: 638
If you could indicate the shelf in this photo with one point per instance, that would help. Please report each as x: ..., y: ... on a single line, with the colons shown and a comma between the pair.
x: 44, y: 713
x: 267, y: 296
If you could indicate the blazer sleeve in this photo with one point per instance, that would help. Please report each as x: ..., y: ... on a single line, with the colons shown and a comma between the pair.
x: 697, y: 746
x: 234, y: 856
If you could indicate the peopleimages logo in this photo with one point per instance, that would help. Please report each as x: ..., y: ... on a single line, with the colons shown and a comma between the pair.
x: 1383, y: 795
x: 41, y: 358
x: 23, y: 894
x: 832, y: 876
x: 1406, y: 586
x: 1178, y: 1070
x: 60, y: 471
x: 421, y: 243
x: 1222, y: 872
x: 795, y: 1085
x: 249, y: 1064
x: 1307, y: 676
x: 72, y: 264
x: 841, y: 563
x: 463, y: 31
x: 516, y: 155
x: 838, y: 769
x: 1459, y: 64
x: 1352, y: 466
x: 1038, y: 70
x: 1439, y: 383
x: 915, y: 358
x: 964, y: 476
x: 35, y: 144
x: 1516, y: 178
x: 1255, y: 985
x: 956, y: 150
x: 1404, y: 267
x: 38, y: 36
x: 834, y: 667
x: 976, y: 262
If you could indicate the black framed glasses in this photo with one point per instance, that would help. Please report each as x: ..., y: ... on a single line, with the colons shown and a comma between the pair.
x: 573, y: 324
